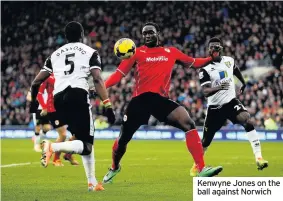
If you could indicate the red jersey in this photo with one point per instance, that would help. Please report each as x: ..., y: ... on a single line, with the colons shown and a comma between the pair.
x: 153, y: 68
x: 48, y: 84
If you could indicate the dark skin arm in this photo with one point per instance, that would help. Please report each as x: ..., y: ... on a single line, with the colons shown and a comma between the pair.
x: 40, y: 78
x: 239, y: 75
x: 99, y: 84
x: 209, y: 91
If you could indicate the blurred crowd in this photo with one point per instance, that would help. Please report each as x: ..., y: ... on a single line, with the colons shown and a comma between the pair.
x: 252, y: 33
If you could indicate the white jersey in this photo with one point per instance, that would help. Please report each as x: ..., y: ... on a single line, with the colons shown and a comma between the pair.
x: 71, y: 65
x: 45, y: 96
x: 217, y: 73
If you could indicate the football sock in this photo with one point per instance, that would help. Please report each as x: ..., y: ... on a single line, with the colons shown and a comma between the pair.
x: 195, y: 147
x: 75, y: 146
x: 37, y: 138
x: 56, y: 156
x: 89, y: 166
x: 117, y: 153
x: 255, y: 143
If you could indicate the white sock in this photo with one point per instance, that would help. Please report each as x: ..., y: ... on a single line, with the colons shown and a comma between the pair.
x: 89, y: 165
x: 255, y: 143
x: 73, y: 147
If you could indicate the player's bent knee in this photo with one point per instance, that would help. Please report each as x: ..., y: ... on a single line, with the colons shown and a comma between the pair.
x: 46, y: 128
x: 87, y: 148
x: 249, y: 126
x: 62, y: 132
x: 243, y: 117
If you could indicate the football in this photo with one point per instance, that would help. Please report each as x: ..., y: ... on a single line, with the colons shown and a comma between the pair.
x: 124, y: 48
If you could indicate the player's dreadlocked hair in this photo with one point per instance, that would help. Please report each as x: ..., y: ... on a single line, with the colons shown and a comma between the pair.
x: 73, y: 31
x: 153, y: 24
x: 215, y: 39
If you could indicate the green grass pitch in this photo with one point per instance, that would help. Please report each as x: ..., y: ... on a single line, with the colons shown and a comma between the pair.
x: 151, y: 171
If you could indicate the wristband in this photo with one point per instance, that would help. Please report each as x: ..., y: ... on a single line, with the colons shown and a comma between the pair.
x: 106, y: 102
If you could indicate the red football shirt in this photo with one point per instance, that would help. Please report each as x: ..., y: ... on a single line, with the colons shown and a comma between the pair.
x: 153, y: 68
x: 48, y: 84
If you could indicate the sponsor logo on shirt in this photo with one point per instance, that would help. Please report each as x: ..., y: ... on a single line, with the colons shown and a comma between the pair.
x: 223, y: 74
x: 154, y: 59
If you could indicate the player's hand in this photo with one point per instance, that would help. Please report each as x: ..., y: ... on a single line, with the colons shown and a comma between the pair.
x: 243, y: 88
x: 224, y: 86
x: 28, y: 98
x: 43, y: 112
x: 109, y: 113
x: 33, y: 106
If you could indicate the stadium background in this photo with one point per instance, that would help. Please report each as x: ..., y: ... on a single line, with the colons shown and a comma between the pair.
x: 251, y: 34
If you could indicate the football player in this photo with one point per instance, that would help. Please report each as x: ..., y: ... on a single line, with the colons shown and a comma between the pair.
x: 218, y: 86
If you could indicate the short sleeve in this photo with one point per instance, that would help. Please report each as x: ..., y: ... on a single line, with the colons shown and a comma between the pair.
x: 48, y: 66
x: 95, y: 61
x: 204, y: 77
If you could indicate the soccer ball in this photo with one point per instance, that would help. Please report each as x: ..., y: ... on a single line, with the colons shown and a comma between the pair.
x: 124, y: 48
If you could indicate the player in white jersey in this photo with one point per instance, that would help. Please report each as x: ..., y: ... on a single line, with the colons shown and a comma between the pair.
x: 217, y: 81
x: 71, y: 64
x: 41, y: 123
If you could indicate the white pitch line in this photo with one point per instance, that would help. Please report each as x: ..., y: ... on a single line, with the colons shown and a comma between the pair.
x: 15, y: 164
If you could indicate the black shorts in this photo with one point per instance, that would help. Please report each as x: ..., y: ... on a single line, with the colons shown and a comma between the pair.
x: 73, y: 109
x: 217, y: 115
x: 40, y: 120
x: 141, y: 107
x: 54, y: 120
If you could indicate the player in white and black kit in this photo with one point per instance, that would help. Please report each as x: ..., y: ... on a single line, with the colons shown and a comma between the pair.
x: 217, y: 81
x: 71, y: 65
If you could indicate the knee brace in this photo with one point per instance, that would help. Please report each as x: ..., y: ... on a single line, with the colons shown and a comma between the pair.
x: 87, y: 148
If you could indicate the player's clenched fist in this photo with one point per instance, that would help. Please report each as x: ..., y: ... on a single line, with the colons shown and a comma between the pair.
x: 110, y: 115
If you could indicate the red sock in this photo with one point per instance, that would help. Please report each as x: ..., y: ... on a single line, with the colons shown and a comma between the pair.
x: 195, y: 147
x: 117, y: 154
x: 56, y: 156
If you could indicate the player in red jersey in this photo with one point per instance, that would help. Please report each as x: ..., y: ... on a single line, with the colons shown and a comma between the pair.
x: 49, y: 111
x: 153, y: 67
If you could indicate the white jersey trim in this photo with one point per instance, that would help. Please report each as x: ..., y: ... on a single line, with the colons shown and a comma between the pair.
x: 47, y: 69
x: 207, y: 82
x: 95, y: 67
x: 121, y: 72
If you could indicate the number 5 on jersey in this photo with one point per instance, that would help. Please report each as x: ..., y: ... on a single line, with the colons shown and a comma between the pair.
x: 71, y: 63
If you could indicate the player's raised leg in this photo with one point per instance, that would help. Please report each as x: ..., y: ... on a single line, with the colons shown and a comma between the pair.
x: 244, y: 119
x: 61, y: 138
x: 180, y: 118
x: 70, y: 157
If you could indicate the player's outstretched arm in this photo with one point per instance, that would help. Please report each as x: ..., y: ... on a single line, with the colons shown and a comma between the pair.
x: 39, y: 79
x: 190, y: 61
x: 122, y: 70
x: 114, y: 79
x: 239, y: 75
x: 102, y: 93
